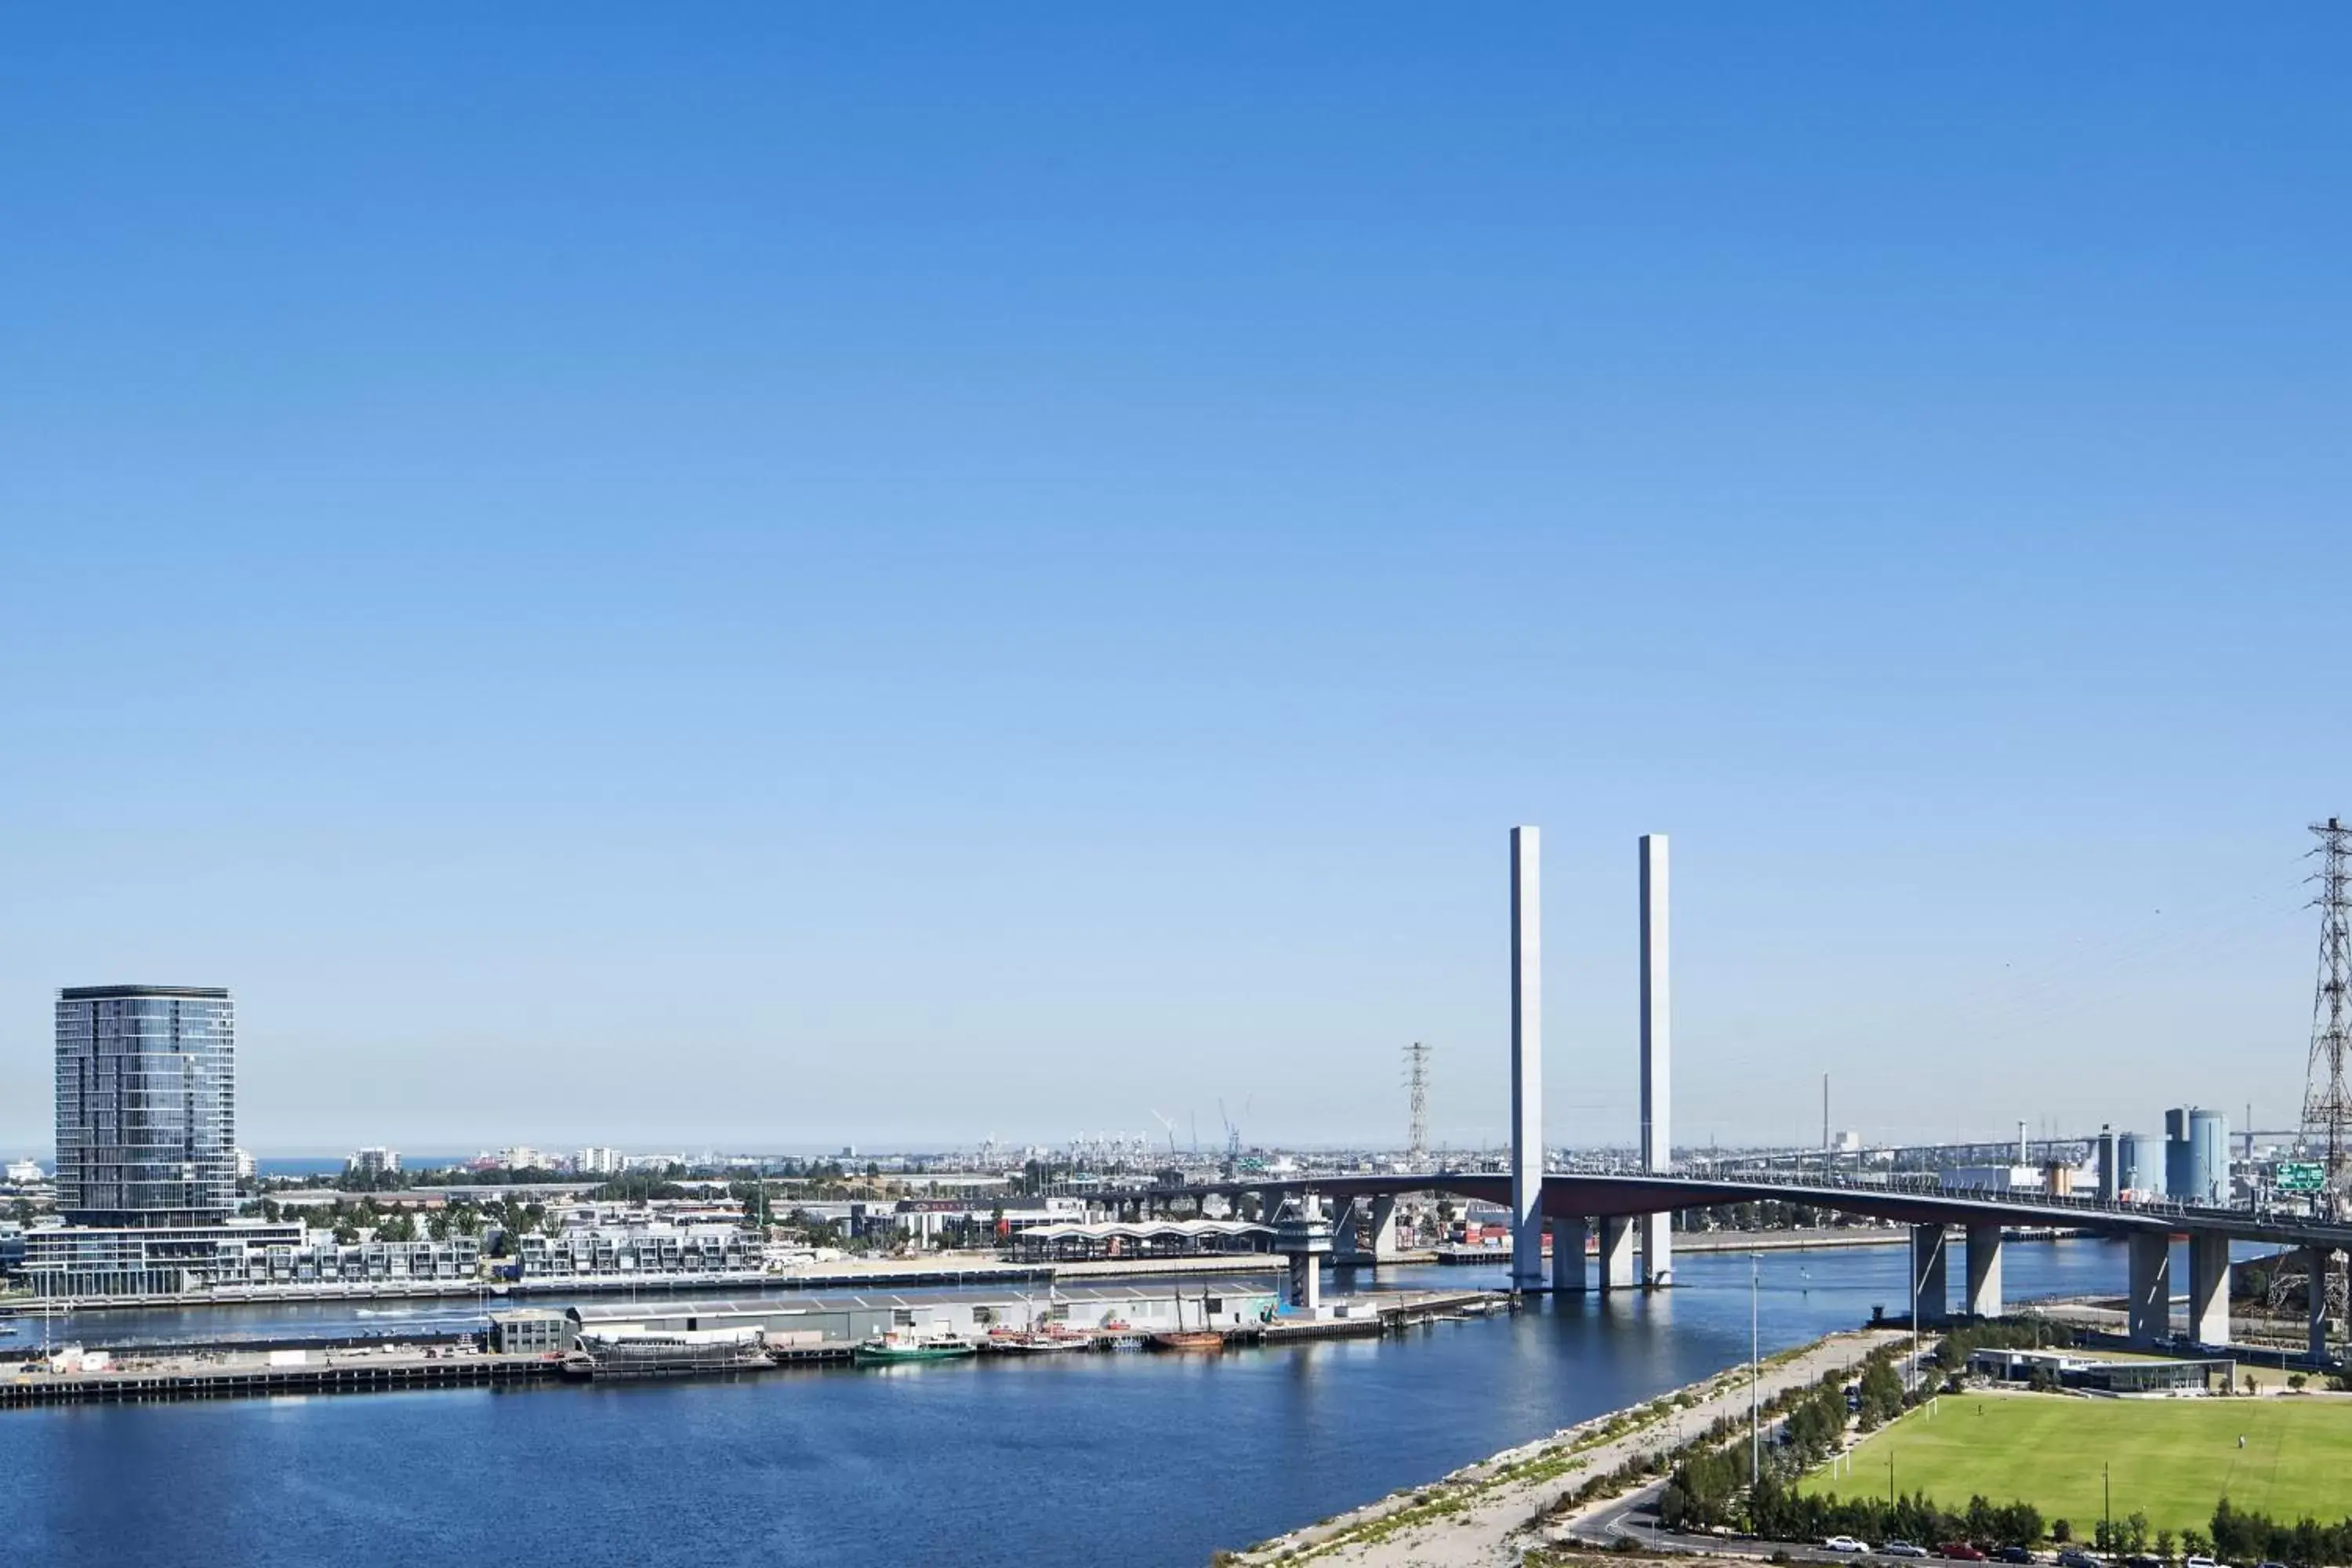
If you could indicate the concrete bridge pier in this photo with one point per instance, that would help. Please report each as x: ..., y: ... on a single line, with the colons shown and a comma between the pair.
x: 1930, y: 1287
x: 2209, y: 1288
x: 1568, y: 1238
x: 2318, y: 1259
x: 1617, y: 1252
x: 2149, y: 1310
x: 1346, y: 1214
x: 1983, y: 1298
x: 1352, y: 1216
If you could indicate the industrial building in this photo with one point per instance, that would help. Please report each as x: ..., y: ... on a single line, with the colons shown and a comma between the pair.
x: 817, y: 1320
x: 2197, y: 1157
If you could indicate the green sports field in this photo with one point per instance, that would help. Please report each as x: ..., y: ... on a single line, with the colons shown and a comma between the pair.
x: 2170, y: 1458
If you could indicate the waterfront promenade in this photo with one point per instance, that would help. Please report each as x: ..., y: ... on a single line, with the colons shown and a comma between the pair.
x: 1485, y: 1515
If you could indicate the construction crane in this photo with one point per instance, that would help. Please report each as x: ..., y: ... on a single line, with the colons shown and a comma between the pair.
x: 1233, y: 1141
x: 1169, y: 1123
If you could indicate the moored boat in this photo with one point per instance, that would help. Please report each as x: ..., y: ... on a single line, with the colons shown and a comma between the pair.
x: 1040, y: 1344
x: 1190, y: 1340
x: 887, y: 1350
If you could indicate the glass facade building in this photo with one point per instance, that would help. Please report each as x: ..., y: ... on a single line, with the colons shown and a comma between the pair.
x: 146, y: 1105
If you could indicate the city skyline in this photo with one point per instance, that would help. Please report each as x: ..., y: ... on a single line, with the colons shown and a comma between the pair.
x: 1005, y: 586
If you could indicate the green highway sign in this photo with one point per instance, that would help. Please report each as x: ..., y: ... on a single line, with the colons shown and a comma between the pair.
x: 2301, y: 1176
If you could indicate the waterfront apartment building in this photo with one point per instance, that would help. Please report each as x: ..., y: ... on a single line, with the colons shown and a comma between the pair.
x: 265, y: 1258
x: 703, y: 1252
x: 373, y: 1161
x: 146, y: 1095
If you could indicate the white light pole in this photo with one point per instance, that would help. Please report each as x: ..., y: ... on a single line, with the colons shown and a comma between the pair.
x: 1755, y: 1364
x: 1911, y: 1370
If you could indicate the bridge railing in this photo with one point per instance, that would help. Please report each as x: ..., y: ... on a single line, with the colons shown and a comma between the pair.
x: 1925, y: 1184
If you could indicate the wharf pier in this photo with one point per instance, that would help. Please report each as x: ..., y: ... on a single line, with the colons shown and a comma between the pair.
x: 163, y: 1379
x: 161, y: 1374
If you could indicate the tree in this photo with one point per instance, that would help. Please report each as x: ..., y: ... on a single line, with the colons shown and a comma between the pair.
x: 1882, y: 1394
x: 2062, y: 1530
x: 347, y: 1234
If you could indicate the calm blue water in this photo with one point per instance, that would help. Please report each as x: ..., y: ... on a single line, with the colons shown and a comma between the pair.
x: 1142, y: 1459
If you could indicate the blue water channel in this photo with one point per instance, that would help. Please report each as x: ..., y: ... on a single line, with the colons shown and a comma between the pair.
x: 1136, y: 1460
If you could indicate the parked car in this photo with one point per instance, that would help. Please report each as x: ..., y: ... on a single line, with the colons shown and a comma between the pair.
x: 1846, y: 1544
x: 1901, y: 1549
x: 2143, y: 1560
x: 2201, y: 1561
x: 2075, y: 1557
x: 1959, y: 1552
x: 2016, y: 1554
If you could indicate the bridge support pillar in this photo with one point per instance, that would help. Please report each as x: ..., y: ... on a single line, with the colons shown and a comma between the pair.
x: 1345, y: 1213
x: 1930, y: 1289
x: 2317, y: 1259
x: 1984, y: 1271
x: 1657, y: 1249
x: 2149, y: 1310
x: 1526, y: 1062
x: 2209, y: 1288
x: 1568, y: 1236
x: 1384, y: 1229
x: 1657, y: 1058
x: 1617, y: 1253
x: 1305, y: 1283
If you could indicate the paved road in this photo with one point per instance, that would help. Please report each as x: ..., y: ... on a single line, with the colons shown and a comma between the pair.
x: 1636, y: 1516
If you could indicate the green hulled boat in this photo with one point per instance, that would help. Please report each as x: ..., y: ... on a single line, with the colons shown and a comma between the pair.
x: 889, y: 1349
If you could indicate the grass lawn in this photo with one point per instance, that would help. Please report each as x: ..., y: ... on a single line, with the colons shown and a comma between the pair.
x: 2170, y: 1458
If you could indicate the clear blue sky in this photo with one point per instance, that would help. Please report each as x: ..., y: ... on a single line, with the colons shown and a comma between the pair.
x: 750, y: 575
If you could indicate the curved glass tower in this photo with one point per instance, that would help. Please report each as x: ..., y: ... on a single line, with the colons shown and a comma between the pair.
x: 146, y: 1105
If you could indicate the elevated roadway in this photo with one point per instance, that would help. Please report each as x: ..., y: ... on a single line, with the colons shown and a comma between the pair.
x: 1578, y: 1205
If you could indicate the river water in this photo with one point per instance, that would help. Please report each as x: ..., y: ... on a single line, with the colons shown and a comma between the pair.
x: 1140, y: 1460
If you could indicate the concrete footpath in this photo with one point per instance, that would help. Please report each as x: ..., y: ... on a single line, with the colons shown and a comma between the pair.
x: 1488, y: 1513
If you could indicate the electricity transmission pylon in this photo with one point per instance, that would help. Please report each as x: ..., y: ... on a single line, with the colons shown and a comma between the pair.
x: 2326, y: 1103
x: 1416, y: 1083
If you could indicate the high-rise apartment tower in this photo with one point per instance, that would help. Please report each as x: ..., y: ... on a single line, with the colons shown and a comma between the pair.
x: 146, y: 1081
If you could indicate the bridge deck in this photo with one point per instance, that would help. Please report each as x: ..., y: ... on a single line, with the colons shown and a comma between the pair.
x: 1570, y: 1196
